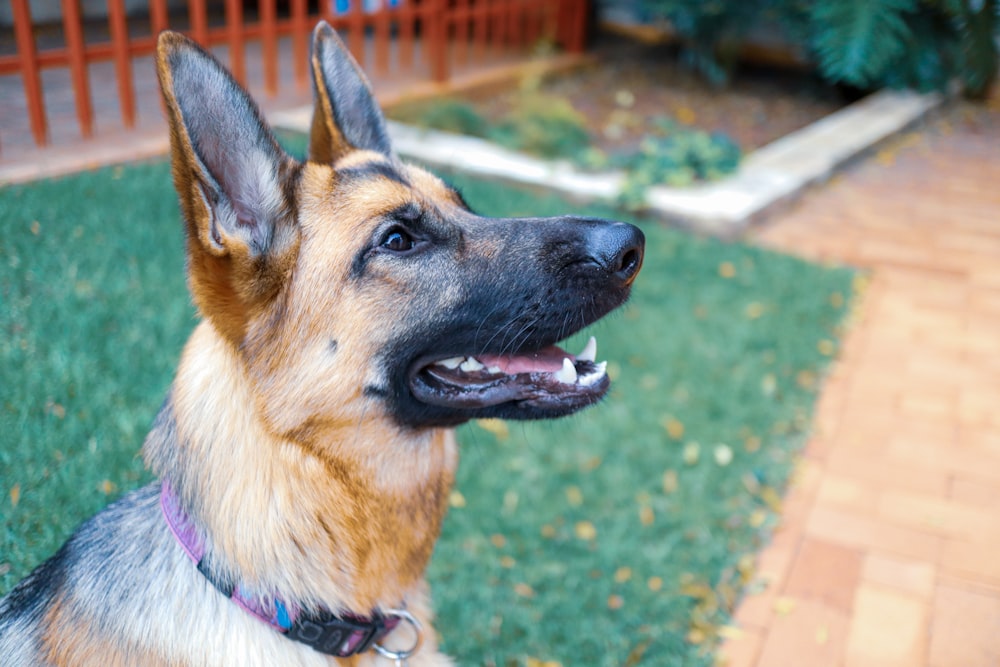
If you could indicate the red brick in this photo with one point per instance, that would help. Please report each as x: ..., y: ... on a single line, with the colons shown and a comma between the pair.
x: 965, y: 628
x: 974, y: 490
x: 862, y: 532
x: 939, y: 515
x: 810, y: 633
x: 757, y: 609
x: 906, y: 575
x: 825, y: 572
x: 876, y: 467
x: 848, y: 492
x: 973, y: 561
x: 888, y: 629
x: 947, y: 459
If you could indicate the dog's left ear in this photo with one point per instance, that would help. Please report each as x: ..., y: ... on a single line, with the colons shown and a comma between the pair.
x: 231, y: 176
x: 346, y: 115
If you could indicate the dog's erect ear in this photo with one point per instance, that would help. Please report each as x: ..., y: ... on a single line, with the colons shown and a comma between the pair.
x: 346, y: 115
x: 230, y: 174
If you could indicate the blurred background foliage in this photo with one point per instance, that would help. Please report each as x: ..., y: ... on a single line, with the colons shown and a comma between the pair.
x: 867, y: 44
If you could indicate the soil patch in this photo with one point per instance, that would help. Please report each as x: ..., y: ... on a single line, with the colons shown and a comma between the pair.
x: 629, y: 85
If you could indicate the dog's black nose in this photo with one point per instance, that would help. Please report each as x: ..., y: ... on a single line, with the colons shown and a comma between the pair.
x: 618, y: 246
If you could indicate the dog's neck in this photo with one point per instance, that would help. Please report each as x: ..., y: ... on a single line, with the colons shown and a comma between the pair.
x: 348, y: 525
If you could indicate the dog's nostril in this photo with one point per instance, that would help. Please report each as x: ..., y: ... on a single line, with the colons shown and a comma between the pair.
x: 629, y: 262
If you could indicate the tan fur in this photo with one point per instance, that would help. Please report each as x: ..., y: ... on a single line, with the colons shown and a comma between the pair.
x: 309, y: 475
x: 324, y: 498
x: 73, y: 641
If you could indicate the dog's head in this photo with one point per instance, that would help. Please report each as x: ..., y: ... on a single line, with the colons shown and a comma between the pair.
x: 355, y: 286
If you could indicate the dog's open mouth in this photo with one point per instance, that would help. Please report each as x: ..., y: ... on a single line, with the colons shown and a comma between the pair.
x: 550, y: 378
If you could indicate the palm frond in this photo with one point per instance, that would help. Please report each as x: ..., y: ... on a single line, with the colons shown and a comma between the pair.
x: 855, y: 40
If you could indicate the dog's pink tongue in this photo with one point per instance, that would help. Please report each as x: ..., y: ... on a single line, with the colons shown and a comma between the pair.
x: 548, y: 360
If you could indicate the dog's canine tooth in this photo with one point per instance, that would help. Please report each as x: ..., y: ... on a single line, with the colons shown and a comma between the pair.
x: 589, y: 352
x: 451, y: 363
x: 494, y: 370
x: 566, y: 374
x: 471, y: 364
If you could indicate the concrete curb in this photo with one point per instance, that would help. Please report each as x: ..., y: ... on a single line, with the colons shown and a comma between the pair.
x: 767, y: 177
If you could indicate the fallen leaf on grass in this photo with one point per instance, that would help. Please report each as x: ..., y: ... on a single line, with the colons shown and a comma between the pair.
x: 754, y: 310
x: 535, y: 662
x: 674, y: 427
x: 497, y: 427
x: 524, y: 590
x: 692, y: 451
x: 634, y: 656
x: 646, y: 515
x: 723, y: 455
x: 15, y: 494
x: 623, y: 574
x: 585, y: 530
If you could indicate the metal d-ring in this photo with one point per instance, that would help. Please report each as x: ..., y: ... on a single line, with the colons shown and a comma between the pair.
x: 401, y: 656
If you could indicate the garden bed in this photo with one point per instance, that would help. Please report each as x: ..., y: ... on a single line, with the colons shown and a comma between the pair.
x: 759, y: 107
x: 627, y: 85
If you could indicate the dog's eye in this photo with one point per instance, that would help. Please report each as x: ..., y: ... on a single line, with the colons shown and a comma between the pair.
x: 397, y: 239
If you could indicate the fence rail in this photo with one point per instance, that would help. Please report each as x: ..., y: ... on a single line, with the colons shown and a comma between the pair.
x: 437, y: 34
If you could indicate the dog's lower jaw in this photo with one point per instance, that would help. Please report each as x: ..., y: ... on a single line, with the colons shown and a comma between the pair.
x: 347, y: 528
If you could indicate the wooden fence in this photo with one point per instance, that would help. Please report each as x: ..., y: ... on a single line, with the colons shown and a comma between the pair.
x: 443, y: 32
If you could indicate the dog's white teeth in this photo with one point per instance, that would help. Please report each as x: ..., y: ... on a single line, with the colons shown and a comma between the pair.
x: 594, y: 376
x: 589, y: 352
x: 471, y: 364
x: 494, y: 370
x: 566, y: 374
x: 452, y: 363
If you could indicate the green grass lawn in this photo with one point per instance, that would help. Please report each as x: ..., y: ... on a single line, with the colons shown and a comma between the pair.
x: 620, y: 536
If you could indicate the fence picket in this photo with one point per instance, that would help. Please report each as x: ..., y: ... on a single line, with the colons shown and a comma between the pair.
x: 29, y: 71
x: 268, y: 10
x: 234, y: 30
x: 446, y: 32
x: 73, y: 32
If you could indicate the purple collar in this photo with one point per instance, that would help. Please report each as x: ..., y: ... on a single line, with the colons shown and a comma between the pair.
x: 341, y: 636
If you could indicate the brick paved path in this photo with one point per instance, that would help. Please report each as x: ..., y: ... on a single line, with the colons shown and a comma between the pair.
x: 889, y: 553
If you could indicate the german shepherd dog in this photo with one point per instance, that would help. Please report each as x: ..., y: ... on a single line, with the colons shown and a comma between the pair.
x: 354, y: 310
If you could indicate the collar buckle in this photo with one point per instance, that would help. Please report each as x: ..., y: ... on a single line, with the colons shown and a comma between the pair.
x: 332, y: 635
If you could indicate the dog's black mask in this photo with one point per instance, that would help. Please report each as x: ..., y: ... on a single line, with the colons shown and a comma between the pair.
x: 527, y: 283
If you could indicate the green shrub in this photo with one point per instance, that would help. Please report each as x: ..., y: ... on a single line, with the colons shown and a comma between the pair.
x: 678, y: 156
x: 542, y: 125
x: 445, y: 114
